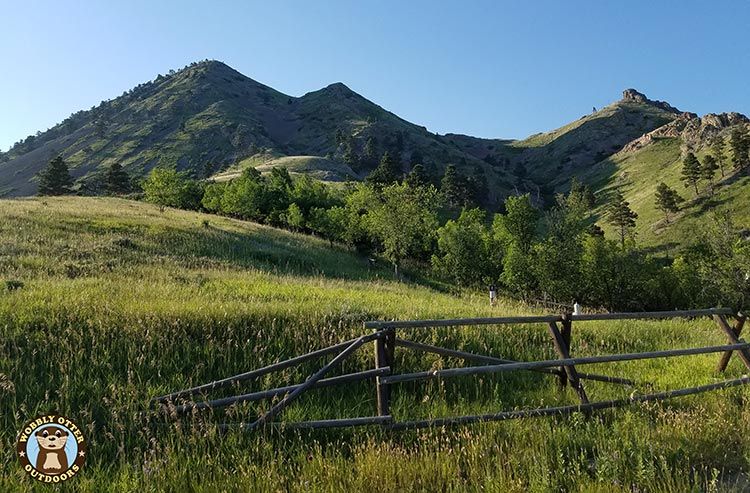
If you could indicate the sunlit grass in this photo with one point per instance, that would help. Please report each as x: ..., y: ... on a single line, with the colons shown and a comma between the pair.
x: 121, y: 303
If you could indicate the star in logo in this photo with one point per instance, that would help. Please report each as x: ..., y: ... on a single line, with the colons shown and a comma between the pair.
x: 81, y: 453
x: 22, y: 454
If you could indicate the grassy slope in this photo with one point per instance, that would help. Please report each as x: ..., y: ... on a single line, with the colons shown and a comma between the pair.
x: 122, y: 303
x: 638, y: 173
x: 554, y: 157
x: 319, y: 168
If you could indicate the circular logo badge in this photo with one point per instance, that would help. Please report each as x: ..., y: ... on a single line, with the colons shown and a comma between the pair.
x: 51, y: 448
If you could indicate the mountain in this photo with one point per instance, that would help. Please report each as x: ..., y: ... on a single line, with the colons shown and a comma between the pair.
x: 207, y: 117
x: 212, y: 121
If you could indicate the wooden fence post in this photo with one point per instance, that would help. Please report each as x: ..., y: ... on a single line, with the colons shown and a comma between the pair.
x: 567, y: 325
x: 384, y: 351
x: 737, y: 329
x: 562, y: 346
x: 733, y: 336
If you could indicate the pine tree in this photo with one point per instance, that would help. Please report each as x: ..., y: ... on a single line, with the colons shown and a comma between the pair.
x: 739, y: 143
x: 717, y: 151
x: 117, y: 180
x: 55, y: 178
x: 453, y: 187
x: 581, y: 195
x: 478, y: 187
x: 708, y: 170
x: 667, y: 199
x: 417, y: 177
x: 621, y: 216
x: 691, y: 171
x: 386, y: 172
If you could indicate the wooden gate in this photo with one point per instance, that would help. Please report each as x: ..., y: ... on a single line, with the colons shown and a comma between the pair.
x: 387, y: 336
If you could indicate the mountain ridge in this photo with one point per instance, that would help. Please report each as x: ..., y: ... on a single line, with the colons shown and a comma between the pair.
x: 207, y: 118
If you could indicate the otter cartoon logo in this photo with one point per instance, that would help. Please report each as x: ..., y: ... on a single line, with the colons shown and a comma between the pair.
x: 51, y: 448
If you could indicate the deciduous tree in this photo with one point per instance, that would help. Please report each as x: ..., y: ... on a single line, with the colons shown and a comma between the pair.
x: 403, y: 220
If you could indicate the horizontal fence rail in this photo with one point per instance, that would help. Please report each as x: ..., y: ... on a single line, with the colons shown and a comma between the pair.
x: 533, y: 319
x: 566, y: 410
x: 266, y: 394
x: 384, y: 335
x: 531, y: 365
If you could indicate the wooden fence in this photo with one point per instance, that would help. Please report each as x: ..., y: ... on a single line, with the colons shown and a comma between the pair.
x: 385, y: 335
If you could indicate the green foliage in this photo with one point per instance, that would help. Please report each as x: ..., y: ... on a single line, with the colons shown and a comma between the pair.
x: 117, y: 181
x: 667, y: 199
x: 294, y: 217
x: 351, y: 157
x: 557, y: 259
x: 739, y: 143
x: 167, y: 187
x: 717, y: 146
x: 518, y: 271
x: 722, y: 260
x: 55, y: 178
x: 581, y: 196
x: 417, y: 177
x: 462, y: 250
x: 477, y: 186
x: 331, y: 224
x: 387, y: 171
x: 212, y: 197
x: 520, y: 221
x: 708, y: 170
x: 691, y: 171
x: 246, y: 197
x: 454, y: 188
x: 403, y: 220
x: 621, y: 216
x: 416, y: 158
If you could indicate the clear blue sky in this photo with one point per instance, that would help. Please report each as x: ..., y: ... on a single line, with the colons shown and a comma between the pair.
x: 485, y: 68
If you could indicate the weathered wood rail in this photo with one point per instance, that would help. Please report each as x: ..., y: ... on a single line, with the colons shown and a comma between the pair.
x: 384, y: 335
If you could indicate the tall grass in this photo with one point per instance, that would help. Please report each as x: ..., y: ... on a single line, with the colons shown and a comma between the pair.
x: 121, y: 303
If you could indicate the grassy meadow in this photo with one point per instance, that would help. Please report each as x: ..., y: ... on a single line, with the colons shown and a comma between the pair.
x: 121, y: 302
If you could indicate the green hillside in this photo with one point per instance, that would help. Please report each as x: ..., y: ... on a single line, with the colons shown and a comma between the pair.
x: 207, y: 117
x: 112, y: 302
x: 545, y: 162
x: 638, y: 170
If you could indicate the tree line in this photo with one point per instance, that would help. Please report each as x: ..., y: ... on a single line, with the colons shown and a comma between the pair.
x: 559, y: 254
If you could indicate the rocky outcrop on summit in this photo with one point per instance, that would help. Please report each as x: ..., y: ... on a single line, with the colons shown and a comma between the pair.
x: 633, y: 96
x: 692, y: 129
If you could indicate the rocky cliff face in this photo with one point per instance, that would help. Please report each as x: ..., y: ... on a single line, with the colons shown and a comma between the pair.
x: 633, y: 96
x: 694, y: 131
